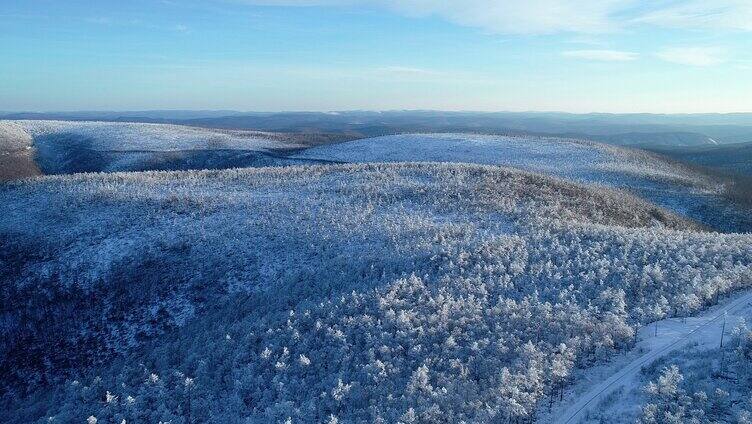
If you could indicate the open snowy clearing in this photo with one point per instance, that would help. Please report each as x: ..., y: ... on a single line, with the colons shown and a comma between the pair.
x: 621, y: 377
x: 667, y: 184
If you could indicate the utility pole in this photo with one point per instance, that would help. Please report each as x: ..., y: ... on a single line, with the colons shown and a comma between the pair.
x: 723, y: 329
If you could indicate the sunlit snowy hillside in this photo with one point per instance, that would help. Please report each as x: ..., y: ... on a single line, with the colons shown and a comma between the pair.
x: 64, y: 147
x: 351, y: 293
x: 665, y: 183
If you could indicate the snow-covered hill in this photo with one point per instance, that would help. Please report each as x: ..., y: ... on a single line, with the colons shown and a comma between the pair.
x: 153, y: 137
x: 16, y: 153
x: 574, y: 159
x: 65, y: 147
x: 358, y: 292
x: 668, y: 184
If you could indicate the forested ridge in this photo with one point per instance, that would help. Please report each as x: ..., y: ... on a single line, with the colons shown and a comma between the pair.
x: 347, y: 293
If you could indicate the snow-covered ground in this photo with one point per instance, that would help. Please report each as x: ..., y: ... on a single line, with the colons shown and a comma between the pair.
x: 64, y: 147
x: 613, y: 390
x: 572, y: 159
x: 667, y: 184
x: 16, y: 153
x: 126, y: 136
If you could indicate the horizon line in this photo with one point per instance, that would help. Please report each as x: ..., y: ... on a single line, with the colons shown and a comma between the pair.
x: 74, y: 111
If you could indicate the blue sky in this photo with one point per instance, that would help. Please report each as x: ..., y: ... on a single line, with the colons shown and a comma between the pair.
x: 576, y: 55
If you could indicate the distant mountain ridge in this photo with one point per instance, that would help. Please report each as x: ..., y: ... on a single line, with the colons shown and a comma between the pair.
x: 621, y: 129
x: 678, y: 136
x: 733, y: 158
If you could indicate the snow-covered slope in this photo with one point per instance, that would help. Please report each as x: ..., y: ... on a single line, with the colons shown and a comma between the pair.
x: 573, y: 159
x: 359, y: 293
x: 72, y: 146
x: 614, y: 392
x: 16, y: 153
x: 671, y: 185
x: 153, y: 137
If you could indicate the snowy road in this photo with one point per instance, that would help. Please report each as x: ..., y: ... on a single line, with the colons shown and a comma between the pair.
x: 673, y: 334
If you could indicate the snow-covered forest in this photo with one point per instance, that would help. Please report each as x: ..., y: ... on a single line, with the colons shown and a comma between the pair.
x: 66, y: 147
x: 702, y: 385
x: 672, y: 185
x: 139, y: 136
x: 16, y: 153
x: 404, y: 292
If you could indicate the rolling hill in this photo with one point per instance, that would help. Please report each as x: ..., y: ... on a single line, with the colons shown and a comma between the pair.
x: 419, y: 292
x: 64, y: 147
x: 623, y: 129
x: 730, y: 158
x: 406, y: 278
x: 16, y: 154
x: 679, y: 188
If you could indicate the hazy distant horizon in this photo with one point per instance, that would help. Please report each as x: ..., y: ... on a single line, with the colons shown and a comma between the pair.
x: 322, y: 111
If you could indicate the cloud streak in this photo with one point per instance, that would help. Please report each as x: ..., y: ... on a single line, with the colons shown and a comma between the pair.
x: 733, y: 15
x: 559, y: 16
x: 693, y: 56
x: 511, y: 17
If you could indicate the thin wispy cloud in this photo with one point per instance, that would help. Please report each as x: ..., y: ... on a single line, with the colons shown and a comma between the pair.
x: 703, y: 14
x: 601, y: 55
x: 560, y: 16
x: 528, y: 17
x: 693, y: 56
x: 511, y: 17
x: 744, y: 64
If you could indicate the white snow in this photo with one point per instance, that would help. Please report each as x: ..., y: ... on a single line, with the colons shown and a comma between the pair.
x: 13, y: 136
x: 673, y: 186
x: 403, y: 291
x: 126, y: 136
x: 572, y: 159
x: 67, y: 147
x: 656, y: 340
